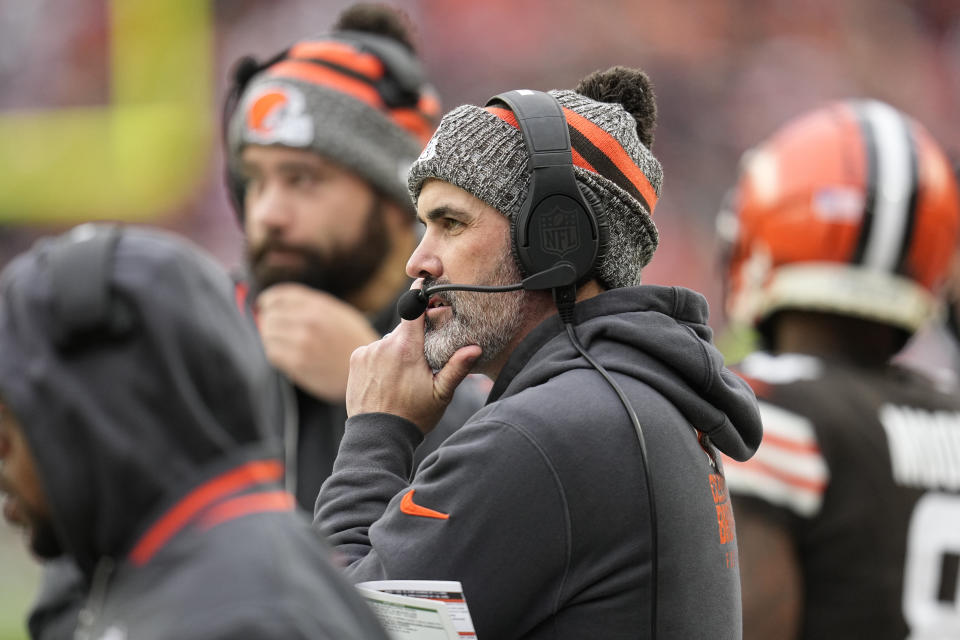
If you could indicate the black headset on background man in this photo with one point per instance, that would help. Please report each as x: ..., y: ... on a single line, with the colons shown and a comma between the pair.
x: 558, y: 238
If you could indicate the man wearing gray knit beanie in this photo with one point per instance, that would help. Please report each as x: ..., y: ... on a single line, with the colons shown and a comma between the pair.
x: 586, y: 499
x: 319, y: 139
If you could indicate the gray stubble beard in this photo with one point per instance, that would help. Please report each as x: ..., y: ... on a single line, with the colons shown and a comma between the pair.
x: 489, y: 320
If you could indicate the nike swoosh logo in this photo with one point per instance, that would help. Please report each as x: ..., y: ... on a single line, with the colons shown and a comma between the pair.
x: 409, y: 507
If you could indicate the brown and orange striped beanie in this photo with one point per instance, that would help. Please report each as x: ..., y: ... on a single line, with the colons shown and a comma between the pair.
x: 357, y: 98
x: 481, y: 150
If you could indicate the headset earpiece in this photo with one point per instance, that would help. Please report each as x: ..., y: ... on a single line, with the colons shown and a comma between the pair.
x: 84, y: 304
x: 557, y: 222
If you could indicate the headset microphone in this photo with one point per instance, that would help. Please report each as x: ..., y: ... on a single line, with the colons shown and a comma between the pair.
x: 413, y: 303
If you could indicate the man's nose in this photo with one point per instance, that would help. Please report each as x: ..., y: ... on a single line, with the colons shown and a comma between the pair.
x: 271, y: 208
x: 424, y: 262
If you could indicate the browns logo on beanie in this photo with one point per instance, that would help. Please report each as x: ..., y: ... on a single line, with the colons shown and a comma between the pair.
x: 356, y: 96
x: 611, y: 117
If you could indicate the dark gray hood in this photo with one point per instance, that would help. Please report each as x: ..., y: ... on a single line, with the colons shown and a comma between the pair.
x: 657, y: 335
x: 121, y: 425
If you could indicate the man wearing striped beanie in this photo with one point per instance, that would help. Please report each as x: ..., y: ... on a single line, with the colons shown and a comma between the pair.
x: 586, y: 499
x: 319, y: 140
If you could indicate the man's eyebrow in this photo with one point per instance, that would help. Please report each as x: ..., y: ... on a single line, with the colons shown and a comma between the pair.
x: 294, y: 166
x: 443, y: 211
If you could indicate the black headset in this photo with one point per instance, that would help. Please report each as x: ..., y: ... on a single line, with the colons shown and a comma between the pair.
x: 560, y: 220
x: 84, y: 305
x: 401, y: 84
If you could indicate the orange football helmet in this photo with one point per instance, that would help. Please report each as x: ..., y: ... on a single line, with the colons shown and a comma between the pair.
x: 850, y: 209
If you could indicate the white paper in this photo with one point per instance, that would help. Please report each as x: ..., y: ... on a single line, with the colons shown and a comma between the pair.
x: 435, y: 601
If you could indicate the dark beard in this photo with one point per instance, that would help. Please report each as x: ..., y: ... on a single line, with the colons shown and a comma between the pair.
x: 341, y: 271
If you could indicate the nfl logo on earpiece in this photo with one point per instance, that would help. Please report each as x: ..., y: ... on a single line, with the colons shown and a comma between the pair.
x: 559, y: 234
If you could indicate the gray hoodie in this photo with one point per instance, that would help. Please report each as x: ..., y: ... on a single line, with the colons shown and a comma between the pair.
x: 151, y: 436
x: 538, y: 505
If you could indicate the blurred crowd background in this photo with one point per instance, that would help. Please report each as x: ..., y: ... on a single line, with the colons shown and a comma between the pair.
x: 111, y: 110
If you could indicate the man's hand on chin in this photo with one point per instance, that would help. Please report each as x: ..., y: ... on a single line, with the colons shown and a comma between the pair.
x: 392, y: 376
x: 309, y: 336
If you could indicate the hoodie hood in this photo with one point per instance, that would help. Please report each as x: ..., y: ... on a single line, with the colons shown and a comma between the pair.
x: 657, y: 335
x: 122, y: 422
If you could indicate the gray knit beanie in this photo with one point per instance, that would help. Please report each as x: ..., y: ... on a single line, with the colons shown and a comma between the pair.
x: 482, y: 151
x: 355, y: 97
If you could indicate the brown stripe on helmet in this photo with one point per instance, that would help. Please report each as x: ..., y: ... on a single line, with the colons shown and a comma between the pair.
x: 886, y: 235
x: 870, y: 182
x: 911, y: 224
